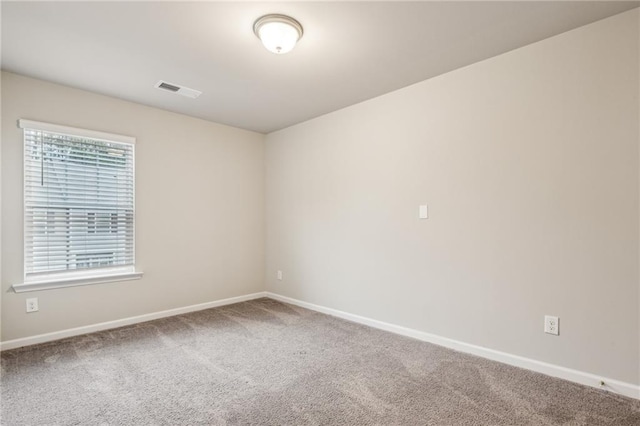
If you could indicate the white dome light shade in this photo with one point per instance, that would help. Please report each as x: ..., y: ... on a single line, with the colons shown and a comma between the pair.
x: 278, y: 33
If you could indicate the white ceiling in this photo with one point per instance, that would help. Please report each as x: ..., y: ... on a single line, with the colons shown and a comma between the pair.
x: 350, y: 51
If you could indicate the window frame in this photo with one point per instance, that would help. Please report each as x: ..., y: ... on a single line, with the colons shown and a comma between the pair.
x: 83, y: 276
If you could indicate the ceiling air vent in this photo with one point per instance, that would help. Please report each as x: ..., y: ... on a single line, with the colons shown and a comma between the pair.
x: 167, y: 86
x: 180, y: 90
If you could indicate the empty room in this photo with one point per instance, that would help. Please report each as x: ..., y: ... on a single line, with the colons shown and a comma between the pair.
x: 320, y: 213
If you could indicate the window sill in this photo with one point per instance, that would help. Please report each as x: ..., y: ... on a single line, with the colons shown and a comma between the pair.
x: 75, y: 281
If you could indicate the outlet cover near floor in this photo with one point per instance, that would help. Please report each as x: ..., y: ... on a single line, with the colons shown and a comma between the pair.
x: 552, y: 325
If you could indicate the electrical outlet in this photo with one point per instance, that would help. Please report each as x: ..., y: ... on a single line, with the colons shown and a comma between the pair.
x: 32, y: 304
x: 551, y: 325
x: 280, y: 275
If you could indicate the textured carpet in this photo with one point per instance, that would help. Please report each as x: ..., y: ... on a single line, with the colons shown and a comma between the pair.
x: 268, y: 363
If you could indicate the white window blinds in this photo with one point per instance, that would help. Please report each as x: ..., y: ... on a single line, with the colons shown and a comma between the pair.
x: 78, y: 199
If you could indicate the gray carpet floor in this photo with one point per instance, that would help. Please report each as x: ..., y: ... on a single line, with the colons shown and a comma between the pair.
x: 268, y: 363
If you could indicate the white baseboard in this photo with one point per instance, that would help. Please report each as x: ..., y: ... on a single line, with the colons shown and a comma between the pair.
x: 581, y: 377
x: 57, y: 335
x: 616, y: 386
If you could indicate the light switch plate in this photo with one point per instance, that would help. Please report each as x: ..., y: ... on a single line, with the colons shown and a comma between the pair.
x: 423, y: 212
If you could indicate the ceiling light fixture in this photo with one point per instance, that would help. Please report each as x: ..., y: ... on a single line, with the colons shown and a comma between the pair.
x: 278, y: 33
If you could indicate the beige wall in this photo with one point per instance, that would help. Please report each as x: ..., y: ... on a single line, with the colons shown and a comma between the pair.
x: 199, y: 207
x: 529, y: 164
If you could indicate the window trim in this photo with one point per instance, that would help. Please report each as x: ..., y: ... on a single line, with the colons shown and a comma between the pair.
x: 75, y: 279
x: 74, y: 131
x: 82, y: 277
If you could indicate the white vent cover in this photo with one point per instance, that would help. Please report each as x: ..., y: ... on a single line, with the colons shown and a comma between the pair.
x: 180, y: 90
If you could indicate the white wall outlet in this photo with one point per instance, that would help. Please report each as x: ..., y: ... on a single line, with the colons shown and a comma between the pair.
x: 551, y: 325
x: 423, y: 212
x: 279, y: 275
x: 32, y: 304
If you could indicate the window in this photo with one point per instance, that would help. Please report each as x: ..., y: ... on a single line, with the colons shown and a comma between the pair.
x: 78, y: 204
